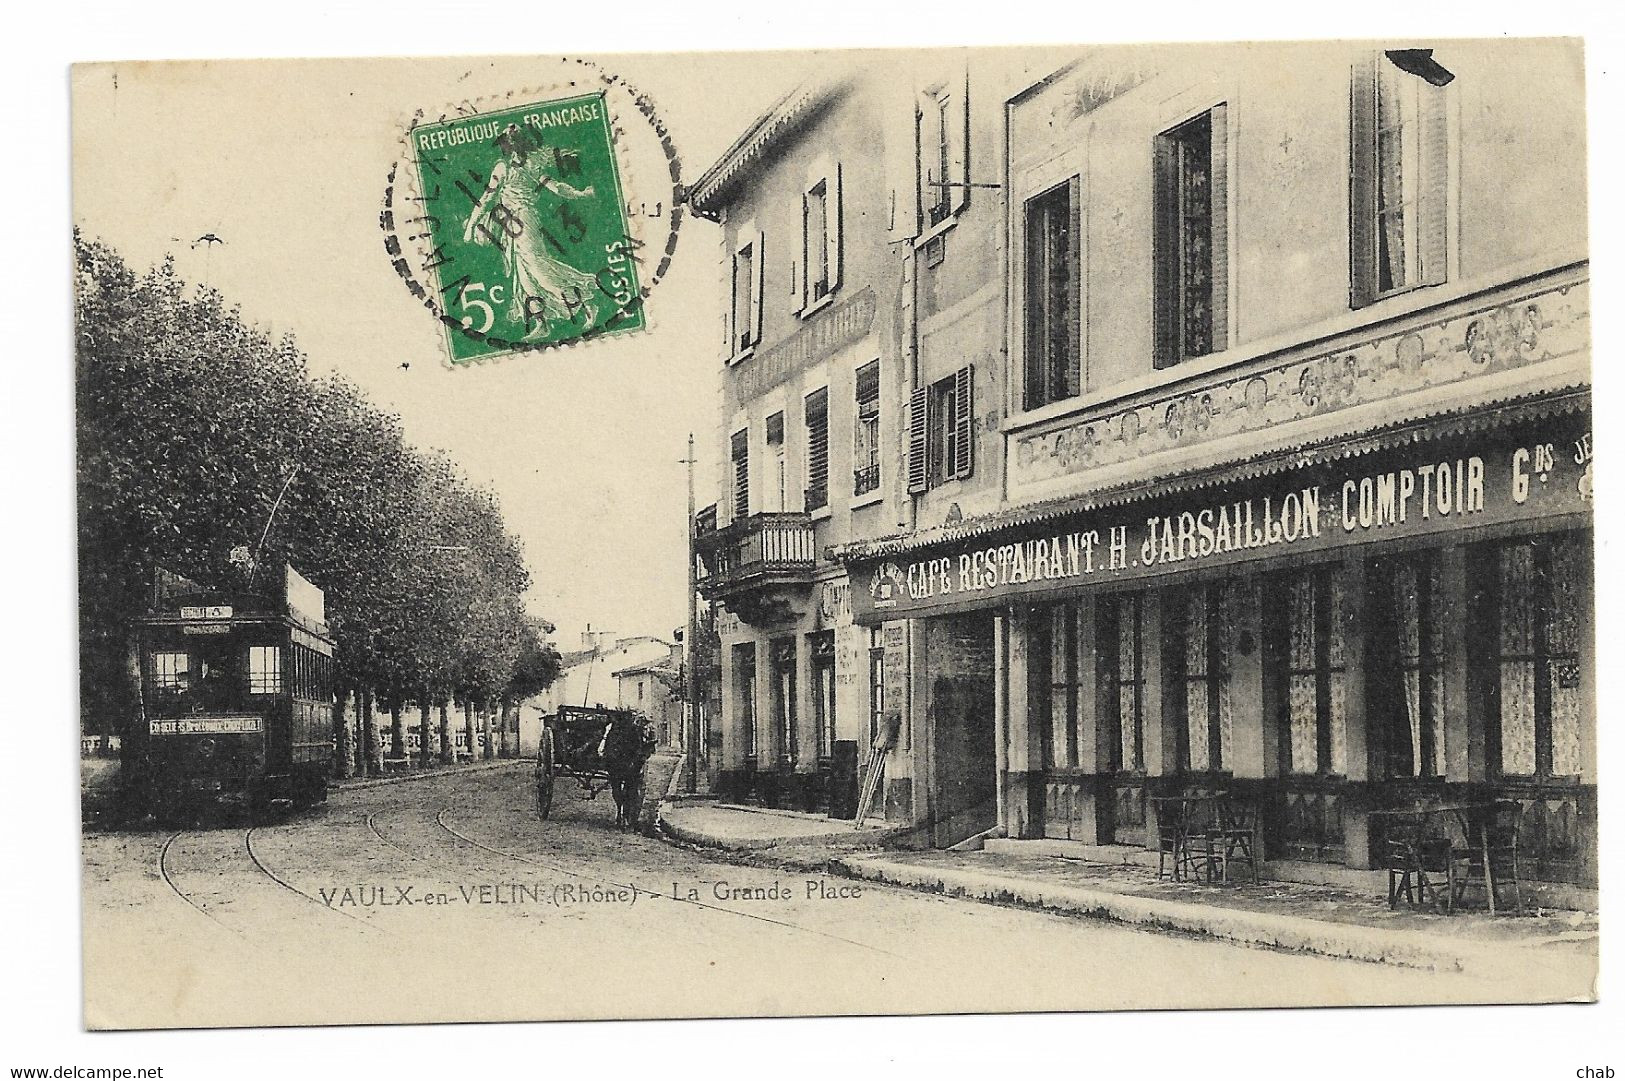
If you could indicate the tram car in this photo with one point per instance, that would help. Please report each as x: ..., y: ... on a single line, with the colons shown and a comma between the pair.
x: 237, y: 703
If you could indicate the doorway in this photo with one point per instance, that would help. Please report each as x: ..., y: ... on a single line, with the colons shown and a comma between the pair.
x: 960, y: 726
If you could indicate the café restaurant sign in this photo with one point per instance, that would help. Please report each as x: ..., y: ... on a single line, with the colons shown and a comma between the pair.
x: 1410, y: 493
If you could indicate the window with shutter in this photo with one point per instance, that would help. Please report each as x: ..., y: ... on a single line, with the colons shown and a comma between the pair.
x: 1052, y: 289
x: 815, y: 242
x: 942, y: 448
x: 817, y: 414
x: 740, y: 455
x: 1399, y: 165
x: 744, y: 324
x: 942, y: 137
x: 866, y: 432
x: 1190, y: 242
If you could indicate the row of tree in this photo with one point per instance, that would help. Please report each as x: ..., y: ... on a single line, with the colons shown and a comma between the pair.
x: 200, y: 436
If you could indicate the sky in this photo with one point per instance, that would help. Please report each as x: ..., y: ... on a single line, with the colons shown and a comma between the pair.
x: 287, y: 162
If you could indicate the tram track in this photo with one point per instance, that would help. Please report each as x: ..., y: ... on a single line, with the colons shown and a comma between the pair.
x: 263, y: 871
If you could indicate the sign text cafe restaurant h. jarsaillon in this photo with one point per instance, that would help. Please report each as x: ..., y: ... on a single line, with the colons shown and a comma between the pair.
x: 1389, y: 621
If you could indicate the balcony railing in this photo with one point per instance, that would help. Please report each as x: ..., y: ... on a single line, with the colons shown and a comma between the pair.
x: 755, y: 551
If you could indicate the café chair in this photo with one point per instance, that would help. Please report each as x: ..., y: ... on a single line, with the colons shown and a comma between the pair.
x: 1238, y: 837
x: 1171, y: 815
x: 1418, y: 865
x: 1493, y: 848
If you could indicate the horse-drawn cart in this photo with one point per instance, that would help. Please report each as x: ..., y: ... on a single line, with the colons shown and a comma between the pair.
x: 596, y: 747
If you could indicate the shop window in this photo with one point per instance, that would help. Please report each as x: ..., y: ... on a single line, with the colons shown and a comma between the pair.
x: 1399, y: 158
x: 866, y: 432
x: 1190, y: 239
x: 169, y: 671
x: 745, y: 684
x: 822, y: 650
x: 877, y: 684
x: 816, y: 410
x: 739, y: 453
x: 1056, y: 637
x: 1316, y: 680
x: 942, y: 429
x: 264, y: 669
x: 1538, y: 634
x: 784, y: 697
x: 1123, y: 635
x: 1053, y: 359
x: 1415, y: 606
x: 1206, y: 630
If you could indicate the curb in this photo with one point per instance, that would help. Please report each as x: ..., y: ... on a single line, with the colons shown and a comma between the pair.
x: 426, y: 774
x: 706, y: 840
x: 1252, y: 928
x: 700, y: 838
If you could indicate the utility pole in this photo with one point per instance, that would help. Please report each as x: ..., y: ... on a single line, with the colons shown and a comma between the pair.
x: 691, y: 684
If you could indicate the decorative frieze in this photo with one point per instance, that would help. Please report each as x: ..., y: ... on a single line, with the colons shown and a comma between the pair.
x: 1538, y: 327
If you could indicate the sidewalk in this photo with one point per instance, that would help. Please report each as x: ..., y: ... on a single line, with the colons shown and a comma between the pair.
x: 1553, y: 951
x: 786, y: 838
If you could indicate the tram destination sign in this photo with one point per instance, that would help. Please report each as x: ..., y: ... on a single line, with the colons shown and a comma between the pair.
x: 211, y: 726
x: 1415, y: 491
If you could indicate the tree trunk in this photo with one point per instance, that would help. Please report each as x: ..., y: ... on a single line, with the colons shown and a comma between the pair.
x: 468, y: 726
x: 397, y: 731
x: 503, y: 708
x: 447, y: 753
x: 343, y: 739
x: 370, y: 745
x: 425, y: 743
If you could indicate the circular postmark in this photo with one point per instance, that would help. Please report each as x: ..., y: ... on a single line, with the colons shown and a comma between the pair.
x: 517, y: 219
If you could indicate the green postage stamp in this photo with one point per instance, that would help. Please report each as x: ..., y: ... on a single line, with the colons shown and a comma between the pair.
x: 525, y: 210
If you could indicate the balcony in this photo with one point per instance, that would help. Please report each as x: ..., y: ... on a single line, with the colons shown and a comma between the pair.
x: 760, y: 566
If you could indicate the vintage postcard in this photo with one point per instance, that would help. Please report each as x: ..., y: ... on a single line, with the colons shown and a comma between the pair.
x: 808, y: 533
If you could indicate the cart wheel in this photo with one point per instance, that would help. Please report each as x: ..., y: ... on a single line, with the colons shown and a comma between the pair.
x: 544, y: 776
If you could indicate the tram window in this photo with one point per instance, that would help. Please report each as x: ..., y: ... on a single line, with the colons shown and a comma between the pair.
x: 264, y: 669
x: 169, y: 671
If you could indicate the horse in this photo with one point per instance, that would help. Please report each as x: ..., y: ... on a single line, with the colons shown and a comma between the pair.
x: 626, y: 746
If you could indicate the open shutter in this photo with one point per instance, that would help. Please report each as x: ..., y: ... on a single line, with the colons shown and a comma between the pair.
x: 817, y: 419
x: 758, y: 266
x: 959, y: 144
x: 1363, y: 182
x: 1219, y: 230
x: 1165, y: 251
x: 731, y: 317
x: 964, y: 423
x: 833, y: 228
x: 1432, y: 202
x: 805, y: 292
x: 1072, y: 309
x: 917, y: 430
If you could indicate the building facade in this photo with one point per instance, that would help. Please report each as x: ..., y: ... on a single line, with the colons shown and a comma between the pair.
x: 1234, y: 428
x: 807, y: 418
